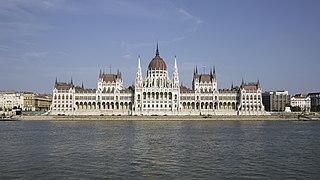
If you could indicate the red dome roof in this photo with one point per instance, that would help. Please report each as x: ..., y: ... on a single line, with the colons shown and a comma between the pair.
x: 157, y: 63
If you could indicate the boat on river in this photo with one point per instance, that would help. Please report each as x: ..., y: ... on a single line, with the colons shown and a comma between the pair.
x: 8, y: 118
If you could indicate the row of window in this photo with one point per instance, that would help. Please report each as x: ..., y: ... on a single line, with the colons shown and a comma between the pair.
x: 59, y: 102
x: 62, y: 105
x: 156, y: 101
x: 158, y: 106
x: 62, y: 109
x: 251, y: 101
x: 64, y: 91
x: 85, y: 98
x: 157, y: 95
x: 62, y: 97
x: 251, y: 97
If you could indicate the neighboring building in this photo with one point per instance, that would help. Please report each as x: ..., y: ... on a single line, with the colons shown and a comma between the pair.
x: 301, y: 100
x: 315, y: 101
x: 37, y: 102
x: 275, y: 101
x: 157, y: 94
x: 11, y: 100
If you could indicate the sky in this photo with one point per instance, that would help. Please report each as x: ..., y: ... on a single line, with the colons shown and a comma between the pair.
x: 275, y: 41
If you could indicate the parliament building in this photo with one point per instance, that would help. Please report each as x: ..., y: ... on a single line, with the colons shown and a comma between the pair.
x: 157, y: 94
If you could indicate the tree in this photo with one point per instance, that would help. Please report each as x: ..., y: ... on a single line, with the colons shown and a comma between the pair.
x: 296, y: 109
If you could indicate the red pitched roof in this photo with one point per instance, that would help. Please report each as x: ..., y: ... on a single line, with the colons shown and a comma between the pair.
x: 63, y: 86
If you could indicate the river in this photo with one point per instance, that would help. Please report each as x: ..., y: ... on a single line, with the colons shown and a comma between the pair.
x: 160, y: 150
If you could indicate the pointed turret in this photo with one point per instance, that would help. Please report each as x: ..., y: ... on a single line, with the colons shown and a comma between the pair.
x: 139, y: 64
x: 100, y: 73
x: 258, y: 83
x: 214, y: 69
x: 157, y: 51
x: 82, y: 85
x: 71, y: 82
x: 175, y: 63
x: 175, y: 76
x: 139, y: 74
x: 231, y: 85
x: 56, y: 82
x: 242, y: 82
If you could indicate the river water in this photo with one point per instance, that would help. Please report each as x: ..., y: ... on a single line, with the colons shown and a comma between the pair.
x: 160, y: 150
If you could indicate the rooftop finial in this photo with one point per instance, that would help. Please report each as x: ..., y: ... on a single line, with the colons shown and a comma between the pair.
x: 56, y: 81
x: 175, y: 62
x: 157, y: 51
x: 139, y: 64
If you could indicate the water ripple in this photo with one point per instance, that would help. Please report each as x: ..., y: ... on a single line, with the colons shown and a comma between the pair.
x: 159, y: 150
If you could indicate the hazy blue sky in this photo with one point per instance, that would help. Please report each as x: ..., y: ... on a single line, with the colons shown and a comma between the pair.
x: 277, y: 41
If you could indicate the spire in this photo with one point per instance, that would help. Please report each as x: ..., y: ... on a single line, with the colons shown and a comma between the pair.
x: 139, y: 80
x: 71, y: 82
x: 196, y: 69
x: 232, y: 85
x: 175, y: 73
x: 214, y: 69
x: 258, y: 83
x: 242, y: 83
x: 139, y: 64
x: 157, y: 51
x: 56, y: 81
x: 82, y: 85
x: 175, y: 63
x: 100, y: 74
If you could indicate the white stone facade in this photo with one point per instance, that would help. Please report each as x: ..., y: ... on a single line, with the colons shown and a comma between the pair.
x: 157, y: 94
x: 301, y: 100
x: 250, y: 99
x: 11, y: 100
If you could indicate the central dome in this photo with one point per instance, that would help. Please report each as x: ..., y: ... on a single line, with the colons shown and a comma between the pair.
x: 157, y: 63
